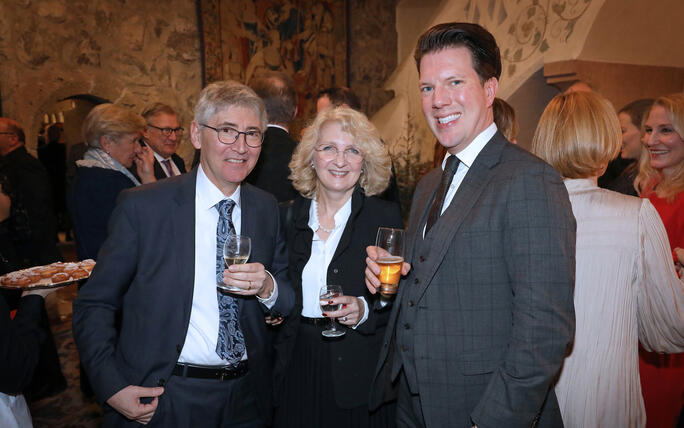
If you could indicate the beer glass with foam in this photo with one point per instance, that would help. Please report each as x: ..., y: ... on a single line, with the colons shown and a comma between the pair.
x: 390, y: 243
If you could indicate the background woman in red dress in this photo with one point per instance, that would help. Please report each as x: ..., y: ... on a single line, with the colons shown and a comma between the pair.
x: 661, y: 180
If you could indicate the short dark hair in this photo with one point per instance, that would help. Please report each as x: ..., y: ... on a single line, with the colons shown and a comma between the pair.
x: 340, y: 96
x: 480, y: 42
x: 636, y: 110
x: 277, y: 91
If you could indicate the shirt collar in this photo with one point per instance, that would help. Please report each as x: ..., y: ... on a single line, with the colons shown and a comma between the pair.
x: 158, y: 156
x: 273, y: 125
x: 208, y: 195
x: 340, y: 216
x: 467, y: 156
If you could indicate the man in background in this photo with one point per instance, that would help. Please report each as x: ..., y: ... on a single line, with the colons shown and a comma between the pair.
x: 162, y: 134
x: 271, y: 172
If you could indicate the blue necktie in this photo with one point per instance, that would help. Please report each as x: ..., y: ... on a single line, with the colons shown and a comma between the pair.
x: 231, y: 343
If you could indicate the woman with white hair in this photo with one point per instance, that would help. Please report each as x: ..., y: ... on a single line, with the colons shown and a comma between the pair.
x: 112, y: 134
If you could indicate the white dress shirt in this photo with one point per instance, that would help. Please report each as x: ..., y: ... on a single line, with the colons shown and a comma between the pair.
x: 202, y: 335
x: 315, y: 272
x: 466, y: 157
x: 160, y: 159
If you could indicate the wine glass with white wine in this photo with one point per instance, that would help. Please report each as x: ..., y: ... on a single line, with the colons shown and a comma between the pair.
x: 236, y: 251
x: 329, y: 292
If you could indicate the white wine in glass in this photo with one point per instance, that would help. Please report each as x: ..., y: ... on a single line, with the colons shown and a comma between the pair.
x: 236, y: 251
x: 329, y: 292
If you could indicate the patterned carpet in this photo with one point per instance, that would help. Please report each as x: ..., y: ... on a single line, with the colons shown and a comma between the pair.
x: 69, y: 409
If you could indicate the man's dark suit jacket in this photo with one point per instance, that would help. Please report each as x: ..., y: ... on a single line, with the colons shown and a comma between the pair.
x: 159, y: 171
x: 32, y: 186
x: 353, y: 358
x: 146, y: 270
x: 20, y: 343
x: 482, y: 322
x: 272, y: 170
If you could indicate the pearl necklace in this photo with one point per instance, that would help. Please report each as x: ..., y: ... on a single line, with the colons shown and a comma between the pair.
x: 318, y: 218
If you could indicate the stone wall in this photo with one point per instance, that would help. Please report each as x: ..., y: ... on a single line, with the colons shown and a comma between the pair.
x: 129, y: 52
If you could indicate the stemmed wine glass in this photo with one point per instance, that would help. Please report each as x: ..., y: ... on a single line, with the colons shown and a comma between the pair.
x: 328, y: 292
x: 236, y: 251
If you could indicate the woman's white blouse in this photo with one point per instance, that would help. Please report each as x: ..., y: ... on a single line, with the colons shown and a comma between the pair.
x: 316, y: 270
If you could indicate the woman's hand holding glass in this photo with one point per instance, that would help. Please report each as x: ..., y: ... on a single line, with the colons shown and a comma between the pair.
x: 351, y: 310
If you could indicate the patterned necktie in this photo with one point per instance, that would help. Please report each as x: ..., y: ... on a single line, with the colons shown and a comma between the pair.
x: 447, y: 176
x: 168, y: 167
x: 231, y: 343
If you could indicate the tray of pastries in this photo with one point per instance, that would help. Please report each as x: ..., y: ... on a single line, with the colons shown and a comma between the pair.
x: 56, y: 274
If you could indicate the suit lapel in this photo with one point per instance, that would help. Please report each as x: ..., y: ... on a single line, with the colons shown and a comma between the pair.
x: 159, y: 173
x: 180, y: 164
x: 183, y: 224
x: 421, y: 202
x: 464, y: 200
x: 345, y: 239
x: 248, y: 221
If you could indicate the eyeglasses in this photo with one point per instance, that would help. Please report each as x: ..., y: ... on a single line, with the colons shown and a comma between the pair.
x: 328, y: 152
x: 228, y: 135
x: 167, y: 131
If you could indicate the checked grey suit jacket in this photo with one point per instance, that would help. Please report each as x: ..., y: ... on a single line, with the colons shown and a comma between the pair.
x: 481, y: 323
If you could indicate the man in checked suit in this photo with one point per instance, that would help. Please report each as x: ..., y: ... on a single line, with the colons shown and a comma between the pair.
x: 186, y: 354
x: 162, y: 134
x: 484, y: 315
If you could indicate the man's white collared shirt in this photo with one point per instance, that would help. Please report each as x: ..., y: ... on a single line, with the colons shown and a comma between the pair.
x: 202, y: 335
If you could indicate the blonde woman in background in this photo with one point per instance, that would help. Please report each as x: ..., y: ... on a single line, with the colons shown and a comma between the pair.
x: 661, y: 181
x: 626, y: 288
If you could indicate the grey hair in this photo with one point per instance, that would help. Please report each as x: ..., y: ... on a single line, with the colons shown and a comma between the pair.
x: 227, y: 93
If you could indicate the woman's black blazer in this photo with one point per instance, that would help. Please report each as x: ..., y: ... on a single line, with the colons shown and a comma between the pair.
x: 354, y: 357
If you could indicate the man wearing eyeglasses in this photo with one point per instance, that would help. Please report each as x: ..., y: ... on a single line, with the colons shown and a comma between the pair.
x: 187, y: 354
x: 162, y: 134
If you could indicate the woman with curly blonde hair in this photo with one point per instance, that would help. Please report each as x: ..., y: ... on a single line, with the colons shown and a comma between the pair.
x: 337, y: 168
x: 661, y: 181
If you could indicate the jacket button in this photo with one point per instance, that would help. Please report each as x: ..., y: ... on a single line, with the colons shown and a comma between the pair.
x: 407, y: 326
x: 404, y: 348
x: 410, y: 303
x: 161, y: 382
x: 421, y: 258
x: 179, y: 348
x: 416, y: 281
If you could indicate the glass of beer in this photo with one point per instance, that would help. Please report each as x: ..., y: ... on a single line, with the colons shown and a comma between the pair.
x: 236, y: 251
x: 390, y: 246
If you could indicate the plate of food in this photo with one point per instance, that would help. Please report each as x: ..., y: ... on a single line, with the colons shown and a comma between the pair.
x: 54, y: 275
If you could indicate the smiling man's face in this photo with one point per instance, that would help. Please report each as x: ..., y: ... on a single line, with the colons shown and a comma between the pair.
x: 457, y: 107
x: 227, y: 165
